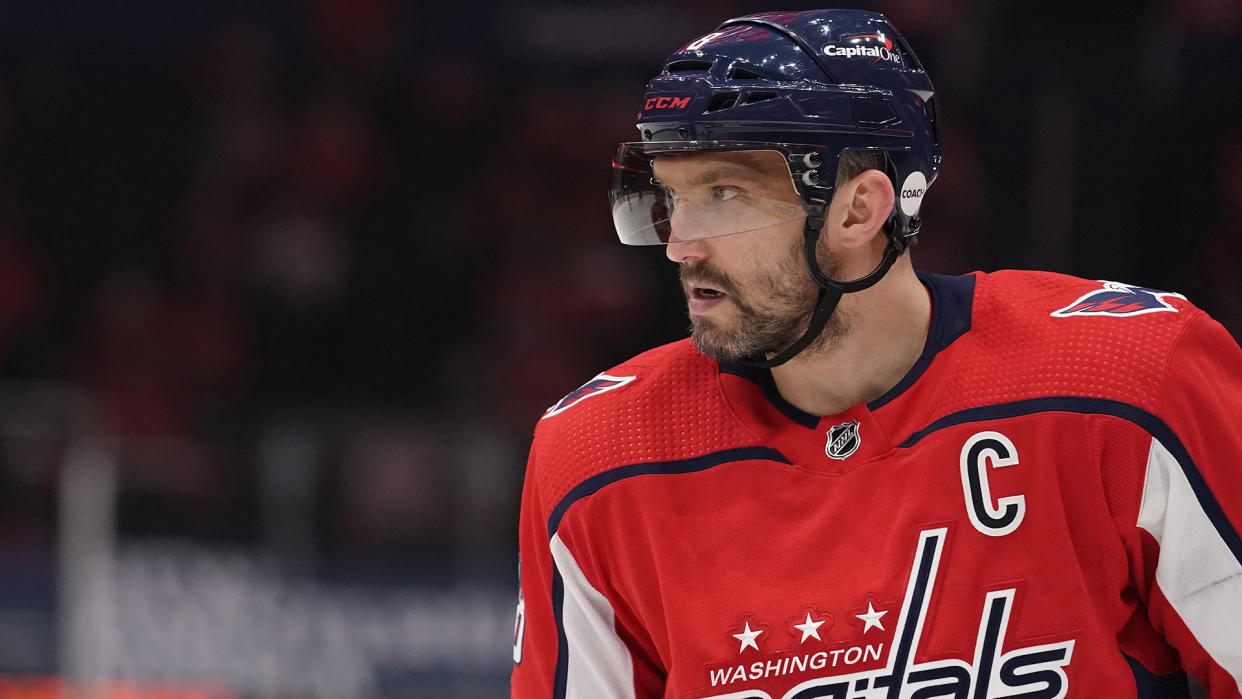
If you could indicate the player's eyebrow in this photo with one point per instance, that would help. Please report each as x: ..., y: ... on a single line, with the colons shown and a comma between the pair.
x: 743, y: 166
x: 730, y: 172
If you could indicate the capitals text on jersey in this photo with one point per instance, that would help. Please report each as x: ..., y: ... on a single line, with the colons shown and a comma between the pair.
x: 1032, y: 671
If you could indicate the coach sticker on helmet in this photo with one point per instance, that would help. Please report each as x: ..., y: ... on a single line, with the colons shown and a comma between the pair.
x: 911, y: 194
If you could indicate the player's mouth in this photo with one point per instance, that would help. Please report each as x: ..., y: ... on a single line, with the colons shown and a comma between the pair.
x: 703, y: 298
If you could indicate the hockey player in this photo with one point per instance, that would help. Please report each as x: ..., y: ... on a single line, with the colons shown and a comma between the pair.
x: 857, y: 480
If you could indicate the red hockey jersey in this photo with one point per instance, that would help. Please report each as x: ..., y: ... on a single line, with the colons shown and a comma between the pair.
x: 1046, y: 506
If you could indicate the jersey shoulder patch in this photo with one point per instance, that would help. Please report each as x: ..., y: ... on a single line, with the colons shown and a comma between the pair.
x: 600, y: 384
x: 1119, y: 301
x: 1020, y: 345
x: 663, y: 405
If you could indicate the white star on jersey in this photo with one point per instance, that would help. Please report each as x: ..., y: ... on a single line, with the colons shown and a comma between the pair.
x: 810, y: 628
x: 747, y: 638
x: 872, y: 618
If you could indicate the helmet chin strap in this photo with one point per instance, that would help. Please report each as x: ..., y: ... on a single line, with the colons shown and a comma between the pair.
x: 830, y: 290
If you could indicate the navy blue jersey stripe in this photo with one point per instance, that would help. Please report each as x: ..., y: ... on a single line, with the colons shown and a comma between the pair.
x: 698, y: 463
x: 1050, y: 404
x: 1153, y: 425
x: 952, y: 303
x: 1149, y: 685
x: 905, y: 642
x: 562, y: 641
x: 763, y: 379
x: 952, y: 299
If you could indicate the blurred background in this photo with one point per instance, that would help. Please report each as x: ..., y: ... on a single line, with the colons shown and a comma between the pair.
x: 285, y: 286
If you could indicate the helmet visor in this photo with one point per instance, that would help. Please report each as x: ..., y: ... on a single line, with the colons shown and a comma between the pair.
x: 666, y: 192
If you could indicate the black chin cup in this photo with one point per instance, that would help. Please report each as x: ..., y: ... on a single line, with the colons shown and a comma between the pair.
x: 830, y: 290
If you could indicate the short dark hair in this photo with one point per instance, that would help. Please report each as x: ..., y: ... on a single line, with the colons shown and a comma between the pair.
x: 855, y: 162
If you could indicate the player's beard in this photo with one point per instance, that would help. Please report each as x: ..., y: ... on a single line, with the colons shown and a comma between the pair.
x: 772, y: 314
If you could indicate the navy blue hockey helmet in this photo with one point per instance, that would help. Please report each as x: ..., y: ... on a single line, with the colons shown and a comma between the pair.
x: 808, y: 85
x: 803, y: 87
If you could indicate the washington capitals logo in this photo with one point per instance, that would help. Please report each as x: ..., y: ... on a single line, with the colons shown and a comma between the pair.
x: 1119, y: 300
x: 594, y: 387
x: 999, y: 666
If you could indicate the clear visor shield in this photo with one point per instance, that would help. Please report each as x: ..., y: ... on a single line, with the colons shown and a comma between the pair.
x: 671, y: 196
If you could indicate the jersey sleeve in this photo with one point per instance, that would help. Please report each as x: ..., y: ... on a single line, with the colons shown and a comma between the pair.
x: 1188, y: 566
x: 535, y: 641
x: 568, y: 643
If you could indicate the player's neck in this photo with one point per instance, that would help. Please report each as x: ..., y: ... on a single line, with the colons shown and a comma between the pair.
x: 887, y: 329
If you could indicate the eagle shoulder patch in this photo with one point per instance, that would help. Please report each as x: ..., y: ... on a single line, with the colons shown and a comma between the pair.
x: 1120, y: 301
x: 602, y: 383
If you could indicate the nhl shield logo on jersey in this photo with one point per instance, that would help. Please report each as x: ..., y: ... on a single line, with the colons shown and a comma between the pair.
x: 600, y: 384
x: 1118, y: 300
x: 843, y: 440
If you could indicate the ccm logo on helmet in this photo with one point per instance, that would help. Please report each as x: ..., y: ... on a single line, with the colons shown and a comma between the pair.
x: 879, y: 53
x: 666, y: 103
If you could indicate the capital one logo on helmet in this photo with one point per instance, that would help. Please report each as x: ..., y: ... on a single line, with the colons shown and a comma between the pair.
x: 879, y: 53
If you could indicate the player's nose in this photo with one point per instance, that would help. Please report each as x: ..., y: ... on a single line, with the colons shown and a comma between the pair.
x: 679, y: 250
x: 685, y: 240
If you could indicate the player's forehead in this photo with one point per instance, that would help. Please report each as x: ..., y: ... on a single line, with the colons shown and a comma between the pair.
x: 766, y: 167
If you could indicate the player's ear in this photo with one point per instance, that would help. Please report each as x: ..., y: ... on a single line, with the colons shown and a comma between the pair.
x: 866, y: 201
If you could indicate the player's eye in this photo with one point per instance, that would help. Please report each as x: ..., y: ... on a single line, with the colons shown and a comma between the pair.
x: 724, y: 193
x: 670, y: 194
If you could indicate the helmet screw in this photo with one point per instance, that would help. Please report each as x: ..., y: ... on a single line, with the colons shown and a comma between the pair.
x: 811, y: 160
x: 646, y: 134
x: 811, y: 178
x: 683, y: 132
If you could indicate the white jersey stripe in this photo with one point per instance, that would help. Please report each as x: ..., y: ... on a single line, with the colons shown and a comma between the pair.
x: 1197, y: 572
x: 598, y: 663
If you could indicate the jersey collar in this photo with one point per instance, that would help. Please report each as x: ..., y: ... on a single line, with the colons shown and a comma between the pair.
x: 755, y: 399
